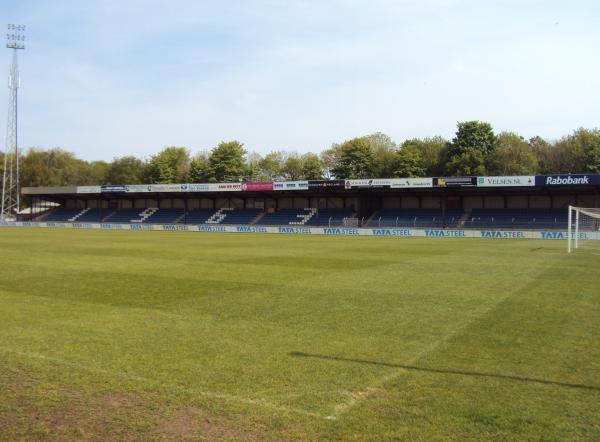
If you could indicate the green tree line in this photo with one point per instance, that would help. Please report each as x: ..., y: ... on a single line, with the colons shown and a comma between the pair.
x: 474, y: 150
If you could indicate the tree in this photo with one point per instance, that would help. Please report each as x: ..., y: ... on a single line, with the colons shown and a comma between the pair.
x: 227, y: 161
x: 171, y: 165
x: 408, y: 163
x: 252, y: 168
x: 586, y: 142
x: 52, y: 167
x: 470, y: 162
x: 384, y: 149
x: 470, y: 148
x: 571, y: 154
x: 125, y: 170
x: 311, y: 167
x: 356, y: 159
x: 95, y: 172
x: 292, y: 168
x: 512, y: 156
x: 200, y: 168
x: 541, y: 149
x: 270, y: 166
x: 432, y: 152
x: 329, y: 158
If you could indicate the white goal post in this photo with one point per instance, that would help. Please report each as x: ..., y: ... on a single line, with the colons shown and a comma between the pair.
x: 582, y: 222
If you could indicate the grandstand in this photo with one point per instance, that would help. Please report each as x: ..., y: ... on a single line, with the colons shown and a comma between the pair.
x: 534, y: 203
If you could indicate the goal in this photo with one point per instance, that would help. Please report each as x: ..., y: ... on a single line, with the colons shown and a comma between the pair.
x: 584, y: 229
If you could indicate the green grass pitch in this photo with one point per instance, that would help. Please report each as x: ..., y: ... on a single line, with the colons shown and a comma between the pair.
x: 109, y: 335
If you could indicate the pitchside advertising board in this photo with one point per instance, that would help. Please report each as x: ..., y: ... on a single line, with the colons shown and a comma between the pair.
x: 305, y: 230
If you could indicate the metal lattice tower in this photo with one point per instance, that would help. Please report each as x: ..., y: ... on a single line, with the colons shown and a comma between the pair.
x: 10, y: 177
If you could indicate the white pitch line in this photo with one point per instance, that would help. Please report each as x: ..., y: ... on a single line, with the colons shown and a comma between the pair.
x: 360, y: 396
x: 144, y: 380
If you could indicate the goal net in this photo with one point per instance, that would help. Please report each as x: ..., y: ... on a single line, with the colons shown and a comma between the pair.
x: 584, y: 229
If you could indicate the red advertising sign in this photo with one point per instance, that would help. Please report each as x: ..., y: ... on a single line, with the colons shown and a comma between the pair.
x: 254, y: 187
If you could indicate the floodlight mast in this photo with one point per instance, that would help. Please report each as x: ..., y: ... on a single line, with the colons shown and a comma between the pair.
x: 15, y: 40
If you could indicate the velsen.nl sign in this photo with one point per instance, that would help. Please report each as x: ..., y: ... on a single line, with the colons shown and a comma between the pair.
x: 506, y: 181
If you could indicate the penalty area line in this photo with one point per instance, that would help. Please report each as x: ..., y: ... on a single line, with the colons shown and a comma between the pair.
x: 173, y: 387
x: 361, y: 396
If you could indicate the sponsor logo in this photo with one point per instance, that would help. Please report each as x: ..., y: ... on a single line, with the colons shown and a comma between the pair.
x: 370, y: 183
x: 505, y: 181
x: 111, y: 226
x: 327, y: 184
x: 113, y: 189
x: 58, y: 225
x: 290, y: 185
x: 204, y: 228
x: 411, y: 182
x: 391, y: 232
x: 295, y: 230
x: 455, y: 181
x: 88, y: 189
x: 133, y: 188
x: 555, y: 181
x: 198, y: 187
x: 264, y: 186
x: 445, y: 233
x: 562, y: 235
x: 251, y: 229
x: 174, y: 227
x: 501, y: 234
x: 340, y: 231
x: 140, y: 227
x: 228, y: 186
x: 82, y: 226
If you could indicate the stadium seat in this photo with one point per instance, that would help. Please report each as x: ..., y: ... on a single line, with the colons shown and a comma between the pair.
x: 285, y: 217
x: 518, y: 219
x: 330, y: 217
x: 417, y: 218
x: 63, y: 214
x: 164, y: 216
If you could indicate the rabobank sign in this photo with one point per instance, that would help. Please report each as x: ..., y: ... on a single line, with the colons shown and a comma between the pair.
x: 567, y: 180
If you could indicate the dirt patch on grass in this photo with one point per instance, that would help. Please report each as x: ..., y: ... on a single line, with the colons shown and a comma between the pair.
x: 193, y: 423
x: 32, y: 410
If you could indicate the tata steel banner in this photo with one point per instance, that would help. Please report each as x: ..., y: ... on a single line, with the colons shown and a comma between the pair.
x: 506, y: 181
x: 399, y: 183
x: 461, y: 181
x: 568, y: 180
x: 257, y: 187
x: 326, y: 184
x: 310, y: 230
x: 290, y: 185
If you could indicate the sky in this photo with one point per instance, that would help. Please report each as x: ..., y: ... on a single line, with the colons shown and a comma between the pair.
x: 108, y: 78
